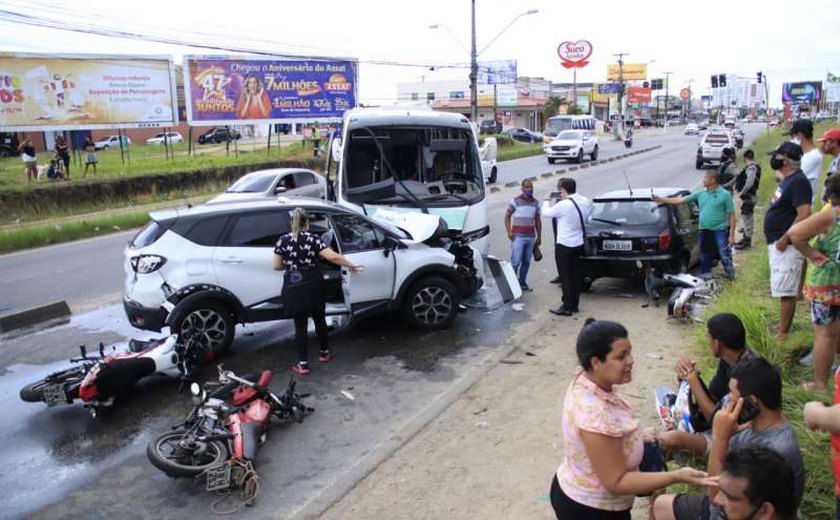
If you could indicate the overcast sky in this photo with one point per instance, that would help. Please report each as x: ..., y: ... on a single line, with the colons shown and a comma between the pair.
x: 692, y: 39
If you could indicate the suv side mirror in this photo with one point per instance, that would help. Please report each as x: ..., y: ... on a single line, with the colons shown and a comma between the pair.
x: 280, y: 189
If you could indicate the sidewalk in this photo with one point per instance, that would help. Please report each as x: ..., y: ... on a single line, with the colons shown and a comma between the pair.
x: 492, y: 454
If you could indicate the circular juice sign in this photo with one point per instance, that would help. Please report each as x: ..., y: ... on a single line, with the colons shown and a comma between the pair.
x: 574, y: 54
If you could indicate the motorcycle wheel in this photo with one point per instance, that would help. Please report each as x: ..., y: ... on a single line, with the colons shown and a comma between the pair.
x: 34, y: 392
x: 166, y: 454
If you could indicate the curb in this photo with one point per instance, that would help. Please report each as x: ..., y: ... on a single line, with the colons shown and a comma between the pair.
x: 495, y: 189
x: 546, y: 175
x: 33, y: 316
x: 511, y: 184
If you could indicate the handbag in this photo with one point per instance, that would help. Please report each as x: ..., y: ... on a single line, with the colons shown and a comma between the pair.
x: 537, y: 253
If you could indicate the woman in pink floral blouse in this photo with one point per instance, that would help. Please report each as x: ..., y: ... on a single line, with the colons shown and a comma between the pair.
x: 602, y: 441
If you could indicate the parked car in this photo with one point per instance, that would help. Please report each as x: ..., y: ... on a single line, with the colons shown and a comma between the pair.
x: 524, y: 135
x: 711, y: 146
x: 112, y: 141
x: 219, y: 134
x: 490, y: 126
x: 162, y: 138
x: 627, y: 232
x: 572, y: 144
x: 8, y: 144
x: 268, y: 184
x: 203, y: 269
x: 692, y: 129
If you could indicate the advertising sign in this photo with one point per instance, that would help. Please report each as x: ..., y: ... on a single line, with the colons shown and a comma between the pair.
x: 802, y: 92
x: 707, y: 101
x: 76, y: 92
x: 609, y: 88
x: 628, y: 71
x: 506, y: 96
x: 583, y: 102
x: 598, y: 94
x: 497, y: 72
x: 221, y: 90
x: 638, y: 95
x: 685, y: 94
x: 574, y: 55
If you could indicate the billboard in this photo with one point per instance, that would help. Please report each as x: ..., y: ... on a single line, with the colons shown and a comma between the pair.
x: 221, y: 90
x: 802, y: 92
x: 77, y: 92
x: 497, y: 72
x: 638, y: 95
x: 628, y: 71
x: 507, y: 96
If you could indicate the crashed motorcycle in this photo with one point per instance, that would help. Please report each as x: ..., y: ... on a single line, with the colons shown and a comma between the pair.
x: 689, y: 294
x: 97, y: 380
x: 220, y: 436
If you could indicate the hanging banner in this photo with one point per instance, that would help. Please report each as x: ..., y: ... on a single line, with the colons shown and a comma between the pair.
x: 497, y: 72
x: 221, y: 90
x: 574, y: 55
x: 802, y: 92
x: 628, y: 71
x: 77, y: 92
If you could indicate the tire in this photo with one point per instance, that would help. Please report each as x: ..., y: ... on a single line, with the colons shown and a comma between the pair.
x: 579, y: 158
x: 699, y: 164
x: 210, y: 321
x: 551, y: 160
x: 493, y: 175
x: 594, y: 154
x: 431, y: 303
x: 586, y: 285
x: 34, y: 392
x: 163, y: 453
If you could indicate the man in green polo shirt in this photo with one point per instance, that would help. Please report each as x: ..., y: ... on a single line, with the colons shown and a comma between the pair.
x: 717, y: 223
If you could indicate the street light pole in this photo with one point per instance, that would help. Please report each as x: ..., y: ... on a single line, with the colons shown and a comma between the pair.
x: 667, y: 80
x: 473, y: 72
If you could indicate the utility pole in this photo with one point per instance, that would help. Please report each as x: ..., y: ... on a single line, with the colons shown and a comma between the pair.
x: 473, y: 73
x: 667, y: 80
x: 620, y: 128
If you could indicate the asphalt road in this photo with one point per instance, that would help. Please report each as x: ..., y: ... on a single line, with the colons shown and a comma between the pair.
x: 61, y: 463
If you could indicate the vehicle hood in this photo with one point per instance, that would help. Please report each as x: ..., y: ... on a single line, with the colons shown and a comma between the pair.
x: 566, y: 142
x: 421, y: 226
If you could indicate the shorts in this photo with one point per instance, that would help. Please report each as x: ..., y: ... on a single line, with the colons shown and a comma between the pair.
x: 823, y: 314
x: 692, y: 507
x: 785, y: 271
x: 91, y: 158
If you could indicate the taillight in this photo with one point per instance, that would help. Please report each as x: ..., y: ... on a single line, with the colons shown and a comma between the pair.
x: 144, y: 264
x: 665, y: 239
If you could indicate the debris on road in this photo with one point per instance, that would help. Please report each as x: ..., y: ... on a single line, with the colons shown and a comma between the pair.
x: 348, y: 395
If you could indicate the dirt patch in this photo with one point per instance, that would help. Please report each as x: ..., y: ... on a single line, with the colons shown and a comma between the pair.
x: 492, y: 454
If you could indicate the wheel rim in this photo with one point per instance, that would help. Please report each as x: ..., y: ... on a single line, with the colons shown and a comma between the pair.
x: 432, y: 305
x: 207, y: 327
x: 188, y: 452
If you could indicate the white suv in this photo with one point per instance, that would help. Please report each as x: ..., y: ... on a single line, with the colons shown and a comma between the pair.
x: 572, y: 144
x: 711, y: 147
x: 204, y: 269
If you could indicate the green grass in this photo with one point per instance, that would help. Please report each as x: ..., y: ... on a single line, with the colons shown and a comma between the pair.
x: 145, y: 160
x: 37, y: 236
x: 748, y: 297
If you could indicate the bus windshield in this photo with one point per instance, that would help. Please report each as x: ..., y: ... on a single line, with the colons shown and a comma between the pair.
x: 414, y: 166
x: 556, y: 125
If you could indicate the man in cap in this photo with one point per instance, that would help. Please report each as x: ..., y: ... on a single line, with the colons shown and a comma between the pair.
x: 802, y: 133
x: 791, y: 203
x: 830, y: 144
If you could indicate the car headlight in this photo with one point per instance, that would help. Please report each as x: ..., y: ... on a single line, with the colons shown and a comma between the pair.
x: 144, y: 264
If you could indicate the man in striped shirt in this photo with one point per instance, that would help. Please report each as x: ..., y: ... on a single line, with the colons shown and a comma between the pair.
x: 524, y: 229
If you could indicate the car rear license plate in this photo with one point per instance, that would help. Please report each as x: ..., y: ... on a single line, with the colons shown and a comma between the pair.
x: 617, y: 245
x: 55, y: 395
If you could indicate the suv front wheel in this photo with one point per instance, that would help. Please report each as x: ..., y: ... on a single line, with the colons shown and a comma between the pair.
x: 210, y: 323
x: 431, y: 303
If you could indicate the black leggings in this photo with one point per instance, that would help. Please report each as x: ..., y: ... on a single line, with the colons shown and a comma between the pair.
x: 301, y: 336
x: 567, y: 509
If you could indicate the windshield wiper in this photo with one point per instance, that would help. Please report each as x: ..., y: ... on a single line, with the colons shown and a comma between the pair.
x: 613, y: 222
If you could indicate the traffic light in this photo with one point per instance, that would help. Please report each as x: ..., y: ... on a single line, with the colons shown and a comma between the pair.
x: 758, y: 76
x: 714, y: 81
x: 722, y: 80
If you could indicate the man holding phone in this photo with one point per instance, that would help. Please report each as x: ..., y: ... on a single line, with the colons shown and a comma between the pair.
x: 752, y: 417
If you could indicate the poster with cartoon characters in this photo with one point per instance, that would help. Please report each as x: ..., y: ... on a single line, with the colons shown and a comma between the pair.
x: 48, y: 92
x: 223, y: 90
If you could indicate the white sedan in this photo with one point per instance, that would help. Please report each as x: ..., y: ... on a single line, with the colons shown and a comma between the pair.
x: 268, y: 184
x: 172, y: 137
x: 572, y: 144
x: 692, y: 129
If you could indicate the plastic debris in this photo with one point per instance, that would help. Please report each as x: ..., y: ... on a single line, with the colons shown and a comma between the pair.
x: 517, y: 306
x: 348, y: 395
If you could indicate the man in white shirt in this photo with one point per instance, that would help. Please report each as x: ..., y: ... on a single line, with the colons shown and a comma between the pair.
x: 570, y: 212
x: 802, y: 133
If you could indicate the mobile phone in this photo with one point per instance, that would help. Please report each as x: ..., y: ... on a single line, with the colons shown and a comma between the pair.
x: 748, y: 412
x: 554, y: 195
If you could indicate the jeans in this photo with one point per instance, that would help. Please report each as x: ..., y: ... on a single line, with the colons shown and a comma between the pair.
x: 521, y: 250
x: 721, y: 241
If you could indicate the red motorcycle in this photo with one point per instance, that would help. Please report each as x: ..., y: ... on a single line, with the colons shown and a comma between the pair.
x: 97, y: 380
x: 221, y: 434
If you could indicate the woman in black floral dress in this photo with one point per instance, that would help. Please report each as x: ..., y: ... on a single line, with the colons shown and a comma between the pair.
x: 303, y: 286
